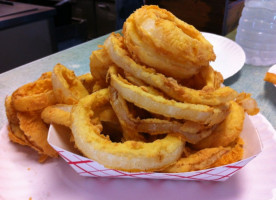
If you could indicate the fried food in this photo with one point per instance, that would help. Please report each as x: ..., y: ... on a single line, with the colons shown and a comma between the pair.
x: 155, y: 103
x: 34, y: 96
x: 248, y: 103
x: 211, y: 79
x: 16, y: 135
x: 160, y: 40
x: 45, y: 75
x: 270, y: 77
x: 106, y: 114
x: 11, y: 113
x: 36, y: 132
x: 27, y: 128
x: 199, y: 160
x: 226, y: 132
x: 99, y: 63
x: 189, y: 131
x: 68, y: 89
x: 169, y: 108
x: 130, y: 131
x: 120, y: 56
x: 87, y: 81
x: 128, y: 156
x: 232, y: 156
x: 58, y: 114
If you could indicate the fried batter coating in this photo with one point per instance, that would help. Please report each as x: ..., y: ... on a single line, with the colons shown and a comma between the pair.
x: 34, y: 96
x: 234, y: 155
x: 58, y: 114
x: 128, y: 156
x: 202, y: 159
x: 99, y: 64
x: 226, y: 132
x: 270, y: 77
x: 88, y: 81
x: 248, y: 103
x: 216, y: 96
x: 160, y: 40
x: 36, y: 132
x: 11, y: 113
x: 68, y: 89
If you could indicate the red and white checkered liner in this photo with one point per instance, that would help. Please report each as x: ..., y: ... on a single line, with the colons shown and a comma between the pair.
x: 86, y: 167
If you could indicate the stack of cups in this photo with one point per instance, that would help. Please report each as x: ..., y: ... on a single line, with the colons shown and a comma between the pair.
x: 256, y: 32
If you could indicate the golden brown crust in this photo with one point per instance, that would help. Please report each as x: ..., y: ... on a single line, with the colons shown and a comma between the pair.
x: 199, y: 160
x: 34, y: 96
x: 36, y: 132
x: 58, y: 114
x: 16, y: 136
x: 226, y: 132
x: 88, y: 81
x: 99, y: 63
x: 67, y: 88
x: 11, y: 113
x: 130, y: 155
x: 158, y: 39
x: 236, y: 154
x: 114, y: 45
x: 270, y: 77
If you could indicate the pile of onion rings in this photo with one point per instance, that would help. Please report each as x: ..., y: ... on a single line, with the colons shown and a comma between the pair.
x: 32, y: 107
x: 152, y: 102
x: 160, y: 83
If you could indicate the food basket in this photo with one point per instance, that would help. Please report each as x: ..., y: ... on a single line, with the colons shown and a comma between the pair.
x: 59, y: 139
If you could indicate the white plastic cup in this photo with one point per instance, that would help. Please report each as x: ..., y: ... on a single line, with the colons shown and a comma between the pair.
x: 256, y: 32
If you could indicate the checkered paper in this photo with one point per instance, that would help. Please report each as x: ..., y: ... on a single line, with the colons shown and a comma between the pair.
x: 59, y: 140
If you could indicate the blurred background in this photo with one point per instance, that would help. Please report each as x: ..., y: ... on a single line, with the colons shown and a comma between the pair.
x: 32, y: 29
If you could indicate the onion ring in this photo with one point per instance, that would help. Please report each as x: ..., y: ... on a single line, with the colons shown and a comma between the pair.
x: 159, y: 39
x: 87, y: 81
x: 211, y: 79
x: 189, y: 131
x: 226, y: 132
x: 61, y: 114
x: 169, y: 108
x: 99, y: 63
x: 34, y: 96
x: 234, y: 155
x: 68, y: 89
x: 133, y: 79
x: 248, y: 103
x: 116, y: 50
x: 200, y: 160
x: 16, y: 135
x: 58, y: 114
x: 36, y: 132
x: 127, y: 156
x: 130, y: 131
x: 11, y: 113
